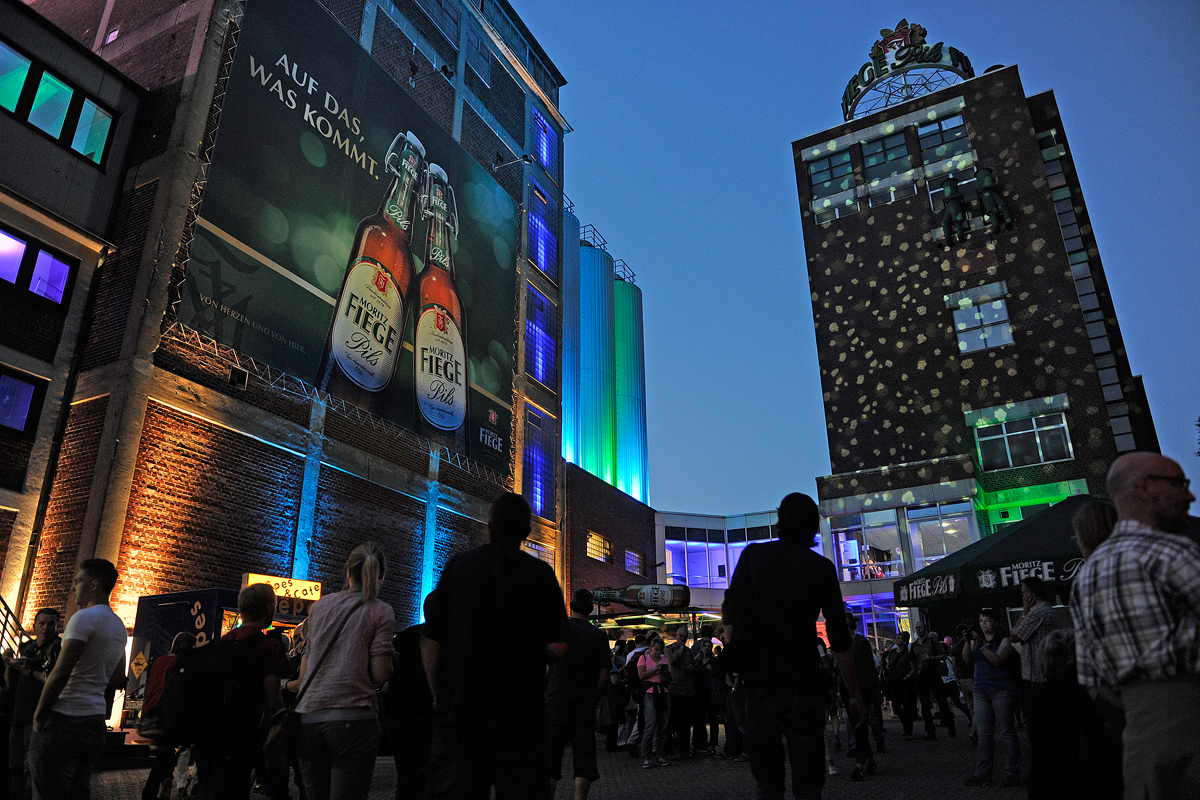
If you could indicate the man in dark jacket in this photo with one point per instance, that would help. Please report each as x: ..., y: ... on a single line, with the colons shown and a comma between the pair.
x: 25, y: 677
x: 782, y: 674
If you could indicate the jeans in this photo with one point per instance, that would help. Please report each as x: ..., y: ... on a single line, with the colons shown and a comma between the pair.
x: 735, y: 724
x: 994, y: 708
x: 468, y: 759
x: 337, y: 758
x: 797, y: 716
x: 930, y: 690
x: 62, y: 754
x: 657, y: 715
x: 967, y: 687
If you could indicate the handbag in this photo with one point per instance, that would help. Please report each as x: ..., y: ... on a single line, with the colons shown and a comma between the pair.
x: 283, y: 728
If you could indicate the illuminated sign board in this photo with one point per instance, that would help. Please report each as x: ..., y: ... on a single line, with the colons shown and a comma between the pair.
x: 285, y: 587
x: 896, y: 52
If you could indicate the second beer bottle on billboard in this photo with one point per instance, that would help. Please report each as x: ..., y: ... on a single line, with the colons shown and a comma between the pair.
x: 367, y: 332
x: 440, y: 342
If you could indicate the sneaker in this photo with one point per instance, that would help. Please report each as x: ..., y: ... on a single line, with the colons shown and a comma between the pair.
x: 1012, y: 780
x: 742, y: 757
x: 858, y: 775
x: 978, y: 780
x: 645, y: 763
x: 830, y: 768
x: 662, y: 762
x: 719, y: 754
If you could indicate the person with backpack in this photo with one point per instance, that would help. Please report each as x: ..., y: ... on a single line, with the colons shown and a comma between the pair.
x: 237, y: 678
x: 68, y: 724
x: 349, y: 654
x: 162, y: 750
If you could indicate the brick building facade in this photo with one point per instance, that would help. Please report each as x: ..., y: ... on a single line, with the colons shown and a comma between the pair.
x: 186, y: 462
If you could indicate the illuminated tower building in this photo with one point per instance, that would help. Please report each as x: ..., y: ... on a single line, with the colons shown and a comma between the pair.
x: 972, y: 367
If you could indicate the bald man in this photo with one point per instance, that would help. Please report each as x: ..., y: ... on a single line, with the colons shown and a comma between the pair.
x: 1136, y: 607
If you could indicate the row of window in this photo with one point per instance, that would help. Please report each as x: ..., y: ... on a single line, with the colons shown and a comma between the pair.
x: 36, y: 96
x: 1085, y: 287
x: 870, y: 545
x: 888, y: 156
x: 27, y: 264
x: 540, y: 458
x: 1020, y: 443
x: 601, y: 548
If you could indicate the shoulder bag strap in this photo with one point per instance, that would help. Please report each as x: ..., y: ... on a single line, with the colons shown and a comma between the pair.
x: 329, y: 649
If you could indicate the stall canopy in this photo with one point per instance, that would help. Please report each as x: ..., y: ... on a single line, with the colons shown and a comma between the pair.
x: 1043, y: 545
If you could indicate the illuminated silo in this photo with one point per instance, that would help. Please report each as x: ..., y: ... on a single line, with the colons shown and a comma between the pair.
x: 633, y: 463
x: 597, y: 364
x: 570, y: 339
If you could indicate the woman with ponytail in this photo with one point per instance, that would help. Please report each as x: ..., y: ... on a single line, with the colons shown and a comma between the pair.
x: 349, y: 654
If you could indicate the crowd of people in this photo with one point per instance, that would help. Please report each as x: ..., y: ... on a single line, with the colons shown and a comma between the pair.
x: 1108, y: 701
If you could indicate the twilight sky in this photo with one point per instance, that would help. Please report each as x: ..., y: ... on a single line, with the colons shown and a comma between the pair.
x: 683, y: 118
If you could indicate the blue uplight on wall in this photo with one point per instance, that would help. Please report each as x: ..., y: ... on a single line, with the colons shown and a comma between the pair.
x: 540, y: 457
x: 543, y: 231
x: 541, y: 352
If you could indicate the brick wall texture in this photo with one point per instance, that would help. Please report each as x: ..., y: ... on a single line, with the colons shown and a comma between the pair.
x: 349, y: 13
x: 78, y: 18
x: 207, y: 504
x: 117, y: 278
x: 504, y: 98
x: 455, y: 534
x: 161, y: 61
x: 394, y: 51
x: 485, y: 146
x: 594, y: 506
x: 15, y: 452
x: 59, y: 546
x: 446, y: 49
x: 379, y: 438
x: 30, y: 324
x: 350, y: 511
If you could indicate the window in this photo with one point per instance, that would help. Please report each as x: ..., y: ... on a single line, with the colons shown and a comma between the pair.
x: 599, y: 548
x: 545, y: 144
x: 836, y: 211
x: 1054, y: 174
x: 479, y: 58
x: 541, y: 325
x: 539, y: 551
x: 543, y: 231
x: 935, y: 532
x: 635, y: 562
x: 1022, y: 442
x: 91, y: 134
x: 831, y: 174
x: 886, y: 157
x: 981, y: 326
x: 25, y: 264
x: 38, y: 97
x: 892, y: 194
x: 14, y: 68
x: 540, y: 455
x: 937, y: 202
x: 16, y: 396
x: 943, y: 139
x: 444, y: 14
x: 867, y: 546
x: 50, y: 105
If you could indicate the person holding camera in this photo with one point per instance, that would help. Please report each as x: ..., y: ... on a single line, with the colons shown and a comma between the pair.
x: 654, y: 670
x: 995, y: 696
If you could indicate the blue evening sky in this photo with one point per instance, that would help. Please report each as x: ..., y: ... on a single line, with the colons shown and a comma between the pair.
x: 683, y: 117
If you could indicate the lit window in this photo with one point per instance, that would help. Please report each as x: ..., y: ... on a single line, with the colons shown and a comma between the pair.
x: 867, y: 546
x: 831, y: 174
x: 635, y: 562
x: 545, y: 144
x: 14, y: 68
x: 981, y: 326
x: 935, y: 532
x: 12, y: 251
x: 538, y: 472
x: 541, y: 324
x: 91, y: 134
x: 15, y: 398
x: 1022, y: 442
x: 599, y: 548
x: 49, y: 277
x: 479, y: 58
x: 943, y: 139
x: 886, y: 157
x: 543, y: 232
x: 50, y: 104
x: 539, y: 551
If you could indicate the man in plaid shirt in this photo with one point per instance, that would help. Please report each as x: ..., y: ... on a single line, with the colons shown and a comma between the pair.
x: 1136, y: 608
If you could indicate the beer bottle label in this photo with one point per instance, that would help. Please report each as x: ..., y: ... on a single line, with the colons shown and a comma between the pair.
x: 366, y: 331
x: 441, y: 367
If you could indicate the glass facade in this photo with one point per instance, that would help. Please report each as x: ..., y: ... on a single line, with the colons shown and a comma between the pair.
x: 50, y: 105
x: 703, y: 552
x: 936, y: 531
x: 831, y: 174
x: 91, y: 134
x: 541, y: 337
x: 886, y: 157
x: 543, y: 231
x: 14, y: 68
x: 537, y: 479
x: 1019, y: 443
x: 15, y: 398
x: 12, y: 252
x: 943, y: 139
x: 545, y: 144
x: 982, y: 326
x: 867, y: 546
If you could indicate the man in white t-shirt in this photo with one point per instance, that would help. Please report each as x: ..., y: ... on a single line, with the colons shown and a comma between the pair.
x: 69, y: 724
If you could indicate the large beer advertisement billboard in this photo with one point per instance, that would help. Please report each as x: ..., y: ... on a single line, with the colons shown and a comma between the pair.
x: 345, y: 238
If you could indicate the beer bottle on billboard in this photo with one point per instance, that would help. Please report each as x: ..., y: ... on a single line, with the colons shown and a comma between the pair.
x: 657, y: 596
x: 367, y: 332
x: 439, y: 341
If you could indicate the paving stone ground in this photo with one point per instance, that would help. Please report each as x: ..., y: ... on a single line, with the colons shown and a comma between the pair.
x: 912, y: 770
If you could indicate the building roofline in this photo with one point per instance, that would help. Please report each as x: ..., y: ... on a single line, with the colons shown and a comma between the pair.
x: 37, y: 19
x: 533, y: 42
